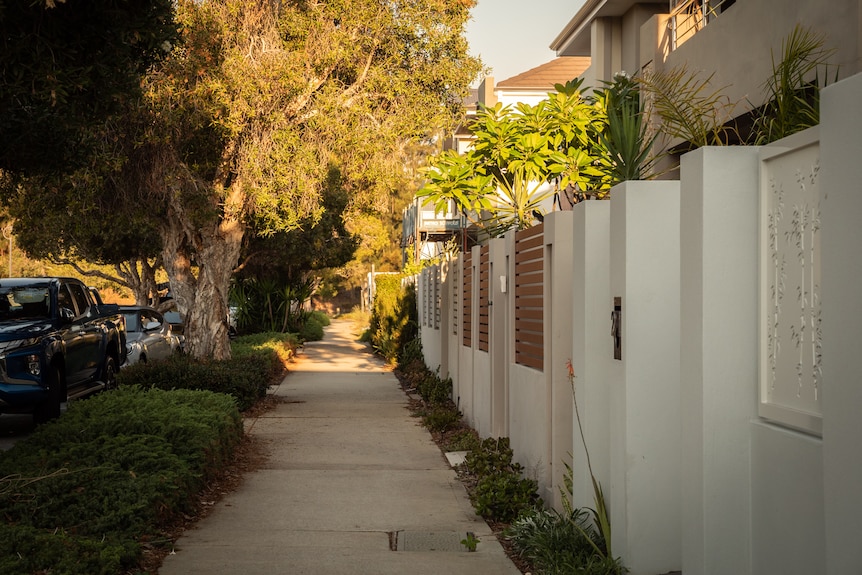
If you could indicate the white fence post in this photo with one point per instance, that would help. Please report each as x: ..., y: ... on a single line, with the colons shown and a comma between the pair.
x: 841, y: 126
x: 645, y: 404
x: 718, y: 355
x: 592, y: 348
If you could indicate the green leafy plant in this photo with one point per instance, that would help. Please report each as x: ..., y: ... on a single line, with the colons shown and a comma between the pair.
x: 394, y: 316
x: 502, y: 182
x: 500, y: 493
x: 435, y: 390
x: 470, y: 542
x: 556, y: 543
x: 504, y: 496
x: 465, y: 439
x: 441, y: 418
x: 493, y: 456
x: 793, y: 89
x: 625, y: 140
x: 410, y: 353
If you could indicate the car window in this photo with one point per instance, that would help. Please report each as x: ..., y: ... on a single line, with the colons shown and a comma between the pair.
x: 81, y: 301
x: 64, y: 299
x: 148, y: 317
x: 25, y: 302
x: 132, y: 323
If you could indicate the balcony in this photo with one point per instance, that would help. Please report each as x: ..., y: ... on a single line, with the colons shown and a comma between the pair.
x: 688, y: 17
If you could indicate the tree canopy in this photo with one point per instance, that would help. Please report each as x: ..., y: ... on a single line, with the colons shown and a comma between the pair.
x: 66, y: 67
x: 240, y: 127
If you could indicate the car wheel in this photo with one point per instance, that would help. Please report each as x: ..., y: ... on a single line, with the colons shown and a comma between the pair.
x: 109, y: 373
x: 50, y: 408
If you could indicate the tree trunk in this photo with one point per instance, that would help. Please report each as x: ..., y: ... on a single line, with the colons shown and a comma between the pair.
x: 140, y: 277
x: 202, y: 299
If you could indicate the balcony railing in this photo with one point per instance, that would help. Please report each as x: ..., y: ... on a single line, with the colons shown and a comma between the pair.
x: 687, y: 17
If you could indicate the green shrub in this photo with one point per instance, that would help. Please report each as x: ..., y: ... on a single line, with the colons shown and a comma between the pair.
x: 501, y: 493
x: 503, y: 496
x: 25, y: 550
x: 435, y: 390
x: 258, y: 361
x: 394, y: 316
x: 558, y: 544
x: 311, y: 330
x: 441, y: 418
x: 494, y: 456
x: 411, y: 353
x: 283, y: 344
x: 79, y: 493
x: 462, y: 440
x: 321, y: 317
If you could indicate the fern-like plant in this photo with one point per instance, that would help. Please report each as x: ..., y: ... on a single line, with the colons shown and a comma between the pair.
x: 690, y: 108
x: 793, y: 89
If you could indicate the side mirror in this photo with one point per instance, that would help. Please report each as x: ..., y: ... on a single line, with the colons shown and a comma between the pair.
x: 66, y: 315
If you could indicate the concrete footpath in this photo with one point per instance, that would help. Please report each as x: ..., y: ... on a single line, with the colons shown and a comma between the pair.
x: 350, y: 476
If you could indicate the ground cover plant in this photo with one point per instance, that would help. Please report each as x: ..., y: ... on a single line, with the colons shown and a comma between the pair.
x: 560, y: 543
x: 103, y: 489
x: 87, y: 492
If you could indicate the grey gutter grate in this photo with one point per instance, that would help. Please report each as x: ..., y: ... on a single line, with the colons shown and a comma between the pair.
x: 449, y: 541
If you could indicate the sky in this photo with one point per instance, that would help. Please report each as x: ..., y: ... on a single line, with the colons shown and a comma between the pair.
x: 512, y: 36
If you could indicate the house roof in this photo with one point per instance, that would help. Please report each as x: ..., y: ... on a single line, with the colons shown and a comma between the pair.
x: 472, y: 99
x: 557, y: 71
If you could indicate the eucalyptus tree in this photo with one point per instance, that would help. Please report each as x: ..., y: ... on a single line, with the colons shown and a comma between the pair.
x: 255, y: 105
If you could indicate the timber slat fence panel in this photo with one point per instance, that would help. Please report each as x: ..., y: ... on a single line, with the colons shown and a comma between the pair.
x: 529, y: 297
x: 467, y: 299
x: 484, y: 295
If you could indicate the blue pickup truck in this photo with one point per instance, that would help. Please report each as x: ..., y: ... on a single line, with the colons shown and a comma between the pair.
x: 58, y: 341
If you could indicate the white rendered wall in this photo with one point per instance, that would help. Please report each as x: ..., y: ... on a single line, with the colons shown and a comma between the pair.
x: 786, y: 502
x: 558, y: 235
x: 481, y: 407
x: 718, y: 297
x: 787, y: 496
x: 841, y: 219
x: 528, y: 422
x: 592, y: 348
x: 644, y: 490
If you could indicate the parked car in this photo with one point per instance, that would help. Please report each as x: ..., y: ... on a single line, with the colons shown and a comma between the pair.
x: 58, y: 341
x: 148, y: 335
x: 178, y: 327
